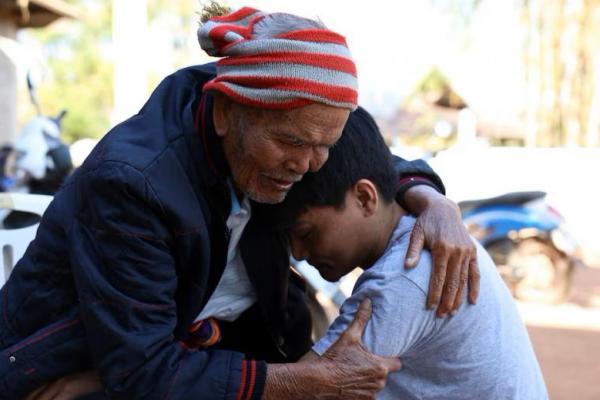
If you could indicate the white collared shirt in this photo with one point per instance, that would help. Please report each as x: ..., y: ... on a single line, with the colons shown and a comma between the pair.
x: 234, y: 293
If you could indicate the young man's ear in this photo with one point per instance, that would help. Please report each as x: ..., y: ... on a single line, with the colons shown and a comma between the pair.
x: 366, y: 196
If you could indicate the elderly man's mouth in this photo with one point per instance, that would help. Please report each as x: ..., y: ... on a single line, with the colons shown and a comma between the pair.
x: 282, y: 184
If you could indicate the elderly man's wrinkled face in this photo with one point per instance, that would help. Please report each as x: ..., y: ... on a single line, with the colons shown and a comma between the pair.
x: 269, y: 150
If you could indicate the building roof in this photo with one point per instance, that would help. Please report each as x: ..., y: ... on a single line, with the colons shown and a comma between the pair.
x: 35, y: 13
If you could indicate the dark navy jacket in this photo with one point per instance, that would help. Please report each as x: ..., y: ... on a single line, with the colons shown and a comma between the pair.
x: 128, y: 254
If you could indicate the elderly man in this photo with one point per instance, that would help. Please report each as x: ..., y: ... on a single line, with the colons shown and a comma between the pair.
x: 155, y: 264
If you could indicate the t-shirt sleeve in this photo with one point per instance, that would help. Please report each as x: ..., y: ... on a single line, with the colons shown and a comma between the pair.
x: 399, y: 320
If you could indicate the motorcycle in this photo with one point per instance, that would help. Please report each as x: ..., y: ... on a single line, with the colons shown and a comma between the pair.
x: 528, y: 240
x: 38, y: 161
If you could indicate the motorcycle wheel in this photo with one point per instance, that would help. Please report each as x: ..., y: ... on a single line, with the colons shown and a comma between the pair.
x: 534, y: 270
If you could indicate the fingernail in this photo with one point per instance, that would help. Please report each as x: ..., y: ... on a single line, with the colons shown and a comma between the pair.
x: 442, y: 315
x: 453, y: 313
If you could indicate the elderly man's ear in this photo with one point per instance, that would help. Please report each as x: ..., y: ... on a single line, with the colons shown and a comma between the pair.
x: 221, y: 111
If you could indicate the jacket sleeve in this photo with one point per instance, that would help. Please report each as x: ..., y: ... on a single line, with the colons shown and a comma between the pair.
x: 126, y: 280
x: 416, y: 172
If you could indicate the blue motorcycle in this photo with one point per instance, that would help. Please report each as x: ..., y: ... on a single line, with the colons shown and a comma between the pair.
x: 527, y: 239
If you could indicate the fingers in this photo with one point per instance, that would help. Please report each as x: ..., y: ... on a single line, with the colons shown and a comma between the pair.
x: 357, y: 327
x: 49, y: 391
x: 374, y: 379
x: 451, y: 285
x: 415, y: 246
x: 462, y: 284
x: 474, y: 277
x: 454, y: 268
x: 438, y: 277
x: 392, y: 363
x: 52, y: 391
x: 34, y: 395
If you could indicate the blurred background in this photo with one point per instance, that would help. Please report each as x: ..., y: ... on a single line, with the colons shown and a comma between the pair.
x: 501, y: 97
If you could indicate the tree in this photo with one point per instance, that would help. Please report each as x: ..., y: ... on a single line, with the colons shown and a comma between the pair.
x: 79, y: 70
x: 562, y: 63
x: 79, y: 61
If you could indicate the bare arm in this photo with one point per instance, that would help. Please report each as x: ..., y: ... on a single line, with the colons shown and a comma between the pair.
x: 310, y: 356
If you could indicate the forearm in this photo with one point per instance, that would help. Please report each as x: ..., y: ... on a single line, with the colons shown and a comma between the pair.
x: 293, y: 381
x: 310, y: 356
x: 420, y: 197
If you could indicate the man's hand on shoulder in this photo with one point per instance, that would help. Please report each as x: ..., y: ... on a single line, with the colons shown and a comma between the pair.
x: 345, y: 371
x: 439, y: 228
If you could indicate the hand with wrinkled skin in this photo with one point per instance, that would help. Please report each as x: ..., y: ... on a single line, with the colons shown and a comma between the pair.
x: 346, y: 371
x: 439, y: 227
x: 68, y: 388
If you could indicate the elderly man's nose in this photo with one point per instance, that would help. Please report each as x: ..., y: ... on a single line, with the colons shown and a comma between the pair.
x: 319, y: 158
x: 300, y: 162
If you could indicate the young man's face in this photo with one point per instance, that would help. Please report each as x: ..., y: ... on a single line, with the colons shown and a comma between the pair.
x: 268, y: 151
x: 330, y: 239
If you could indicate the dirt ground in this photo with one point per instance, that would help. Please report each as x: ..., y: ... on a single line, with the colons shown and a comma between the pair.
x: 566, y: 339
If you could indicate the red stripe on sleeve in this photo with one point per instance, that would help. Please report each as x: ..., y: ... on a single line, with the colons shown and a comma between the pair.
x: 242, y: 381
x: 414, y: 178
x: 252, y: 379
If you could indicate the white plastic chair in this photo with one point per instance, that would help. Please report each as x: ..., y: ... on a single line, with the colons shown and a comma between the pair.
x: 14, y: 242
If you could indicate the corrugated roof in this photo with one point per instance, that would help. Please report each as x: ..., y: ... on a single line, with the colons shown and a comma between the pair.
x: 38, y: 13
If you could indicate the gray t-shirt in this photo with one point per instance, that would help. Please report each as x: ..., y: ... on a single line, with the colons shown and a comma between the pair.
x: 483, y: 352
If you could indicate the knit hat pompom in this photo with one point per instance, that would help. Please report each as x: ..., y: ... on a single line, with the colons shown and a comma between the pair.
x: 213, y: 9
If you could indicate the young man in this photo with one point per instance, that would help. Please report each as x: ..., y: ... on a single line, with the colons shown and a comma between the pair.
x: 345, y: 216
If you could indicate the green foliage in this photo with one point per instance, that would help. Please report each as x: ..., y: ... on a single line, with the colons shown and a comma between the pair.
x: 80, y: 71
x: 80, y: 76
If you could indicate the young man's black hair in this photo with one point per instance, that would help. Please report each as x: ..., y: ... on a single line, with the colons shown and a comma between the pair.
x: 360, y: 153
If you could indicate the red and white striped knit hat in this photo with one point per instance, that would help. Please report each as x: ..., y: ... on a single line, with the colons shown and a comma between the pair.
x: 293, y: 69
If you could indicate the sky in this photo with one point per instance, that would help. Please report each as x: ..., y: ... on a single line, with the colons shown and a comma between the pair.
x: 395, y: 43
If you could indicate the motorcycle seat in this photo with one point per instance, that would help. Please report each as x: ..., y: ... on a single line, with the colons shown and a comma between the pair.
x: 513, y: 198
